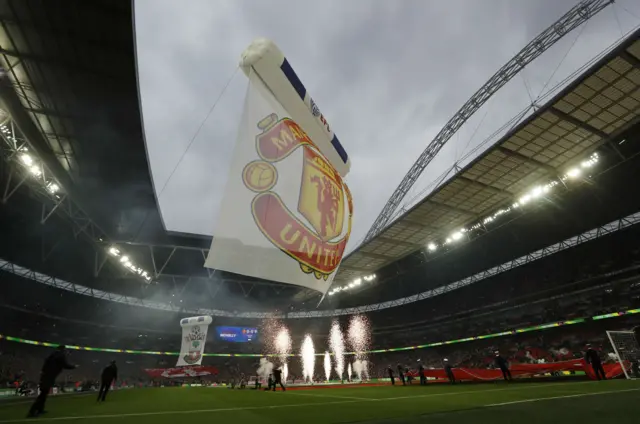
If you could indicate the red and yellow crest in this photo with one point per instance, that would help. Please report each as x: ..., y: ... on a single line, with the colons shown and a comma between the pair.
x: 314, y: 234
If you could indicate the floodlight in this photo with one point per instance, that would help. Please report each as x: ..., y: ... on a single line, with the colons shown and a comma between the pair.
x: 574, y: 173
x: 456, y: 236
x: 113, y: 251
x: 35, y: 170
x: 53, y: 188
x: 26, y: 159
x: 537, y: 191
x: 432, y: 247
x: 357, y: 281
x: 124, y: 259
x: 524, y: 199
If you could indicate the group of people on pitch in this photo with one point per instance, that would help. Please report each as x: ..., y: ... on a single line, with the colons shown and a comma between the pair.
x: 591, y: 357
x: 53, y: 366
x: 406, y: 377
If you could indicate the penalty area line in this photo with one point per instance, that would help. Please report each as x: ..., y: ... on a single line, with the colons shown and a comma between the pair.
x: 577, y: 395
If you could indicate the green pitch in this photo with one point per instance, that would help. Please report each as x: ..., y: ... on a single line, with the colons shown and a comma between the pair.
x: 535, y: 402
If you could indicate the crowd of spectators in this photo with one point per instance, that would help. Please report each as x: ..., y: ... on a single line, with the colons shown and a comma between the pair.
x: 577, y: 283
x: 22, y: 362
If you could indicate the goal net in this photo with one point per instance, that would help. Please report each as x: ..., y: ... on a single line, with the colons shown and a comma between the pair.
x: 627, y: 351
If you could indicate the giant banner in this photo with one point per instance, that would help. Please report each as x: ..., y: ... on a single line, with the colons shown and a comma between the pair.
x: 194, y: 337
x: 286, y: 212
x: 264, y: 60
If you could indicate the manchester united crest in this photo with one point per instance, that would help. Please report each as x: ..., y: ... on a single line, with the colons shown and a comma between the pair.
x: 315, y: 231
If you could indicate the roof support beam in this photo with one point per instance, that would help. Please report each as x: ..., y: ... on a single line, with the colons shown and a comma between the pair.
x: 355, y: 268
x: 633, y: 61
x: 524, y: 158
x: 452, y: 208
x: 578, y: 123
x: 375, y: 255
x: 483, y: 185
x: 50, y: 112
x: 398, y: 242
x: 74, y: 67
x: 418, y: 224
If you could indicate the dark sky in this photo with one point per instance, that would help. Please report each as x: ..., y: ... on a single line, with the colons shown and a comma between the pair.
x: 387, y: 74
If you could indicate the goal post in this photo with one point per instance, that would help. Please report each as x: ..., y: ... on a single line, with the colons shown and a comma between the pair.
x: 627, y: 350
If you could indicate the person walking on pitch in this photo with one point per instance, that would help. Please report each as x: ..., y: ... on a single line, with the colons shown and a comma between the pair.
x: 109, y: 375
x: 277, y: 377
x: 423, y: 379
x: 391, y: 377
x: 449, y: 370
x: 592, y: 358
x: 52, y: 367
x: 504, y: 367
x: 401, y: 374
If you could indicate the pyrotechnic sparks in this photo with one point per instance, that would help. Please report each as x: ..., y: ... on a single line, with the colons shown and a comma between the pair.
x: 308, y: 356
x: 285, y: 372
x: 359, y: 367
x: 278, y: 340
x: 336, y: 344
x: 282, y: 343
x: 359, y: 335
x: 349, y: 372
x: 327, y: 366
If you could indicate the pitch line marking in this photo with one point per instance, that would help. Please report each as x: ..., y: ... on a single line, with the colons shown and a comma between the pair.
x: 8, y: 402
x: 295, y: 405
x: 196, y: 411
x: 515, y: 402
x: 470, y: 392
x: 332, y: 396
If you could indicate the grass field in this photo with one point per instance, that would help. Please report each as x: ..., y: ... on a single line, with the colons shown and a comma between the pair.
x: 535, y: 402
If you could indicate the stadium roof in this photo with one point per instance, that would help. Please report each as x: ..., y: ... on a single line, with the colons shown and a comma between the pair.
x: 590, y: 112
x: 73, y: 94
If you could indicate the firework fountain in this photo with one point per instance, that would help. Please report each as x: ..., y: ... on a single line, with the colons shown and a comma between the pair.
x: 285, y: 371
x: 336, y: 344
x: 282, y: 344
x: 361, y: 368
x: 349, y: 372
x: 359, y: 339
x: 308, y: 356
x: 327, y: 366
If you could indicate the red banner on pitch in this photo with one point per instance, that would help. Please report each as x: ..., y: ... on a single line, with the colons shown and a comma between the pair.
x: 181, y: 372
